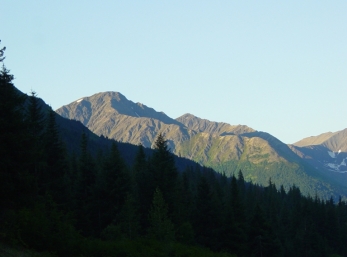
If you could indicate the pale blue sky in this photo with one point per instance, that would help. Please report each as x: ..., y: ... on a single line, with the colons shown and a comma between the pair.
x: 276, y: 66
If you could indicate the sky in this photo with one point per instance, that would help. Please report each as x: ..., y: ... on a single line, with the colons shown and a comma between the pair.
x: 275, y: 66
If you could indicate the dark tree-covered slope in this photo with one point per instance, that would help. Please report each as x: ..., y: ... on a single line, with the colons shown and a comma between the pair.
x: 61, y: 199
x: 224, y: 147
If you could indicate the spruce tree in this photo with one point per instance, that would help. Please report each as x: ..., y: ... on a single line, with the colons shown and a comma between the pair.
x: 164, y: 170
x: 235, y: 221
x: 183, y: 210
x: 125, y: 224
x: 128, y: 218
x: 16, y: 183
x: 54, y: 175
x: 144, y: 187
x: 35, y: 120
x: 161, y: 228
x: 85, y: 183
x: 2, y: 50
x: 205, y: 215
x: 110, y: 190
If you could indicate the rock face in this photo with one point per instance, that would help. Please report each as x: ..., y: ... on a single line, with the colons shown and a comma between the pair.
x: 224, y: 147
x: 111, y: 114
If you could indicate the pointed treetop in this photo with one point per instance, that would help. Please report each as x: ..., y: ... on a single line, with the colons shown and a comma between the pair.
x: 240, y: 176
x: 161, y: 143
x: 2, y: 53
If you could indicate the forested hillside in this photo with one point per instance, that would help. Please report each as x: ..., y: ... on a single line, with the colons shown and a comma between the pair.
x: 223, y: 147
x: 60, y: 202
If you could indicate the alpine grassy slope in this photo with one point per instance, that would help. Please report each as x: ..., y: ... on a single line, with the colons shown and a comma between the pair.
x: 224, y: 147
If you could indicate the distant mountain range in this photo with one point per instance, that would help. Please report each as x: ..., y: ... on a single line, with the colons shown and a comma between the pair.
x: 327, y: 153
x: 224, y: 147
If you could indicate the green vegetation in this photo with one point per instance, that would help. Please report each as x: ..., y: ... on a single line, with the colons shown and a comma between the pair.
x: 257, y: 163
x: 54, y: 202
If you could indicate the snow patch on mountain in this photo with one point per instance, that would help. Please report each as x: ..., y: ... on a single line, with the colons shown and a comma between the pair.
x: 338, y: 167
x: 333, y: 166
x: 332, y: 154
x: 79, y: 100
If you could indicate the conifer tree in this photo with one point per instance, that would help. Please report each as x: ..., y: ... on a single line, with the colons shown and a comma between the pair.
x: 35, y: 124
x: 16, y: 183
x: 125, y: 224
x: 164, y: 170
x: 71, y: 181
x: 205, y: 215
x: 235, y: 221
x: 55, y: 159
x: 117, y: 176
x: 161, y: 228
x: 241, y: 183
x: 262, y: 241
x: 112, y: 184
x: 183, y: 208
x: 129, y: 218
x: 35, y: 117
x: 2, y: 50
x: 144, y: 187
x: 85, y: 183
x: 86, y: 168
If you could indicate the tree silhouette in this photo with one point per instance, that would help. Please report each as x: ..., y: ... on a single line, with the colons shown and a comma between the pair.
x: 2, y: 53
x: 161, y: 227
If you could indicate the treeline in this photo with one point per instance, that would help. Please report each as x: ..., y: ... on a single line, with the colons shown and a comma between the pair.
x: 79, y: 204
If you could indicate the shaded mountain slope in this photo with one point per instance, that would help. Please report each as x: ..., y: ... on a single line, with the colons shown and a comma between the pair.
x: 327, y: 153
x: 71, y: 132
x: 224, y: 147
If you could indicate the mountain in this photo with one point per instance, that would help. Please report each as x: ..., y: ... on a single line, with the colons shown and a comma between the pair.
x: 258, y: 154
x: 224, y: 147
x: 112, y: 115
x: 327, y: 153
x: 71, y: 133
x: 335, y: 142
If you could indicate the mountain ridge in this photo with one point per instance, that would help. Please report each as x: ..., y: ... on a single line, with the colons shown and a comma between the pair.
x: 335, y: 141
x: 221, y: 146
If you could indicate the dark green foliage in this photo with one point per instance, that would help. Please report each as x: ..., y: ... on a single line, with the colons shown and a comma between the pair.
x: 161, y: 228
x: 126, y: 225
x: 84, y: 189
x: 262, y: 241
x: 15, y: 178
x: 143, y: 187
x: 113, y: 185
x: 234, y: 229
x: 2, y: 50
x: 183, y: 209
x: 54, y: 156
x: 205, y: 215
x: 35, y: 126
x: 164, y: 170
x: 92, y: 202
x: 43, y: 228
